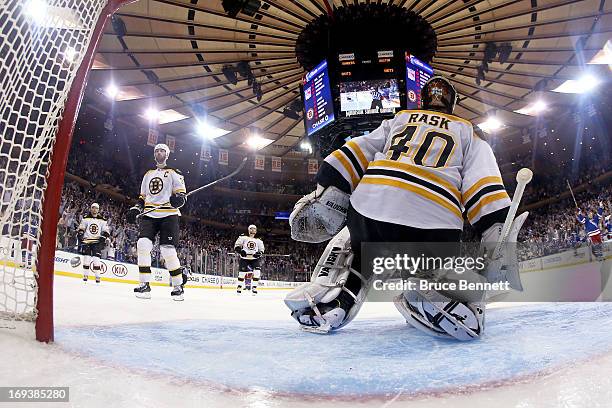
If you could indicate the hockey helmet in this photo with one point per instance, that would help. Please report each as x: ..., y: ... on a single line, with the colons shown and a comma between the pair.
x: 252, y: 228
x: 438, y: 94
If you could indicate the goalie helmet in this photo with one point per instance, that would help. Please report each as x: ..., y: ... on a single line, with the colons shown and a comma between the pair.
x: 438, y: 94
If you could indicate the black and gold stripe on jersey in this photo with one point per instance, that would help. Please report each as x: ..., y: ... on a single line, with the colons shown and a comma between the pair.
x: 165, y: 207
x: 350, y: 157
x: 482, y: 193
x: 418, y: 180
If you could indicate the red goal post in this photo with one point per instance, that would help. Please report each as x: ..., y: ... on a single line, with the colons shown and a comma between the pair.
x: 50, y: 48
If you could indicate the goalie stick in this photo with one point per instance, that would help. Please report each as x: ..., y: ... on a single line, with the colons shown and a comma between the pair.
x: 523, y: 177
x: 232, y: 174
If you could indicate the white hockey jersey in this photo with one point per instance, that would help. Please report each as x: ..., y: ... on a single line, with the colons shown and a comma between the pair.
x: 249, y: 245
x: 94, y: 228
x: 156, y: 188
x: 422, y: 169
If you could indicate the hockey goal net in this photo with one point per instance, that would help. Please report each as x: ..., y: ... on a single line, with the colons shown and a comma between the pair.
x: 46, y: 51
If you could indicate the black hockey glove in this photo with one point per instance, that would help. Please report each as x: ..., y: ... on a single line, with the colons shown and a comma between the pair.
x: 243, y: 253
x: 133, y: 212
x: 178, y: 200
x: 257, y: 255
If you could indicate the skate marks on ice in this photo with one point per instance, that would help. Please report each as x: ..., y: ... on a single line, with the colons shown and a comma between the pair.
x: 369, y: 358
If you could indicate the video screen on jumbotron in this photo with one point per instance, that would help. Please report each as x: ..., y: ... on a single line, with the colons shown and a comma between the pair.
x: 318, y: 104
x: 366, y: 97
x: 417, y: 73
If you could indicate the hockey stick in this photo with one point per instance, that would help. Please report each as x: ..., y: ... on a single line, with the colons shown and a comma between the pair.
x: 571, y: 192
x: 232, y: 174
x: 523, y: 177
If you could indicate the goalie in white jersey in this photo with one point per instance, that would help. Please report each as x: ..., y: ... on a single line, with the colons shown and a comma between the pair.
x: 162, y: 193
x: 250, y: 250
x: 93, y: 235
x: 413, y: 179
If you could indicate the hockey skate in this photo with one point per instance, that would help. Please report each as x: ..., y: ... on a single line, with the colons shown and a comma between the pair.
x: 177, y: 293
x: 143, y: 291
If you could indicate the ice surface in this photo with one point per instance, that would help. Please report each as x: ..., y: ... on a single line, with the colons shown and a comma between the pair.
x: 218, y: 348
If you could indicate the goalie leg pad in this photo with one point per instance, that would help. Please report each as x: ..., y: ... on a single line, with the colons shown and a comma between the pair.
x: 324, y: 303
x: 436, y: 314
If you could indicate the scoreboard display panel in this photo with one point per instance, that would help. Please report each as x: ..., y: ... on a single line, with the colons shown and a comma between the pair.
x: 317, y: 97
x: 417, y: 73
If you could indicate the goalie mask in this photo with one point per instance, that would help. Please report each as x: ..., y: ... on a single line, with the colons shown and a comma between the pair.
x: 438, y: 94
x: 160, y: 158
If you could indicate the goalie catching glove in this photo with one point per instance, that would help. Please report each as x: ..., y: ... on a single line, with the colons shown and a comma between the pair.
x: 320, y: 215
x: 505, y: 267
x: 324, y: 303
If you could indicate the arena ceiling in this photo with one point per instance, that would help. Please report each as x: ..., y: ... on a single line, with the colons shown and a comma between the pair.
x: 168, y: 55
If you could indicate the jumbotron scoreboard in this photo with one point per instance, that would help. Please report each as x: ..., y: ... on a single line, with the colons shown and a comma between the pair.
x: 354, y: 88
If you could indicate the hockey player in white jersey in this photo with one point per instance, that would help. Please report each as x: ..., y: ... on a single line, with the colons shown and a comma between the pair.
x: 250, y: 249
x: 93, y: 235
x: 413, y: 179
x: 162, y: 193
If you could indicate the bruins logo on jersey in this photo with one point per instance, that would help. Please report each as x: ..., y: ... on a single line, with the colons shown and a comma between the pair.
x: 251, y: 245
x: 156, y: 185
x: 93, y: 229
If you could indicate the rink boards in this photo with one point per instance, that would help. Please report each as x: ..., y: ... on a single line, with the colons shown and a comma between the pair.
x: 120, y: 272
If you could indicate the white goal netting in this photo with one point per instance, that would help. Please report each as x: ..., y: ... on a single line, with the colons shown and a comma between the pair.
x: 42, y: 45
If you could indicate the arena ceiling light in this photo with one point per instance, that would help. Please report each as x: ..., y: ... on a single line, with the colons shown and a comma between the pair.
x: 533, y: 109
x: 70, y: 54
x: 151, y: 114
x: 44, y: 15
x: 257, y: 142
x: 36, y: 9
x: 491, y: 125
x: 584, y: 84
x: 111, y: 91
x: 209, y: 131
x: 306, y: 146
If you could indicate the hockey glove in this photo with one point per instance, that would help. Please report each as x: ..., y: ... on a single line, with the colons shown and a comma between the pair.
x: 505, y: 268
x: 320, y: 215
x: 132, y: 214
x: 178, y: 200
x: 243, y: 253
x: 257, y: 255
